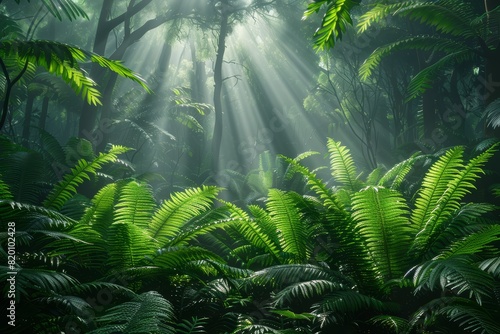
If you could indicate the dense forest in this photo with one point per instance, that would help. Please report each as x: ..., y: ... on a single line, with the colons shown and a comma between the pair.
x: 249, y: 166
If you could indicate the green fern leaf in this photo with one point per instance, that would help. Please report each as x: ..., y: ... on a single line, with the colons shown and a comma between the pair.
x: 342, y: 165
x: 335, y: 20
x: 457, y: 273
x: 424, y: 43
x: 395, y: 176
x: 435, y: 183
x: 4, y: 190
x: 148, y: 312
x: 67, y: 187
x: 450, y: 200
x: 169, y: 219
x: 381, y: 218
x: 293, y: 234
x: 135, y: 204
x: 473, y: 243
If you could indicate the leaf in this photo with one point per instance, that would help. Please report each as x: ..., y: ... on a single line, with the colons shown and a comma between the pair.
x: 293, y: 234
x: 381, y: 218
x: 334, y: 23
x: 147, y: 313
x: 173, y: 214
x: 342, y: 165
x: 67, y: 187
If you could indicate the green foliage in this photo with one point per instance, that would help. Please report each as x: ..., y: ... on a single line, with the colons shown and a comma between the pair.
x: 67, y: 187
x: 335, y: 21
x: 58, y: 7
x: 148, y: 312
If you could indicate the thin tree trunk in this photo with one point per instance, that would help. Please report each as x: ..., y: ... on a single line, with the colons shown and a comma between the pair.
x: 43, y: 114
x: 218, y: 126
x: 28, y: 112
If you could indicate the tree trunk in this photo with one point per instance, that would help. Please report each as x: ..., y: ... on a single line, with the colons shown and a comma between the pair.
x: 43, y: 114
x: 89, y: 113
x: 218, y: 81
x: 28, y: 112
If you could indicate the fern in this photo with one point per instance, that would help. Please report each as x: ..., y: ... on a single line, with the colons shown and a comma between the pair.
x: 305, y: 290
x: 450, y: 199
x: 381, y: 220
x: 455, y: 273
x: 173, y: 214
x: 148, y: 312
x: 342, y: 165
x: 127, y: 245
x: 423, y: 80
x: 135, y: 204
x: 424, y: 43
x: 57, y: 7
x: 395, y: 176
x: 293, y: 235
x: 5, y: 193
x: 194, y: 325
x: 434, y: 184
x: 469, y: 315
x: 67, y: 187
x: 335, y: 20
x: 473, y: 243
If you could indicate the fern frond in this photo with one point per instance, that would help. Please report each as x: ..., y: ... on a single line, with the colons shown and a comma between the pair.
x: 67, y: 187
x: 148, y: 312
x: 179, y: 258
x: 194, y: 325
x: 469, y: 315
x: 395, y: 176
x: 293, y: 235
x: 474, y: 243
x: 305, y: 290
x: 381, y: 217
x: 456, y: 273
x: 135, y: 204
x: 39, y: 280
x: 377, y: 13
x: 174, y: 213
x: 5, y: 193
x: 447, y: 16
x: 346, y: 303
x: 392, y: 323
x: 491, y: 266
x: 342, y: 165
x: 424, y: 43
x: 423, y: 80
x: 435, y: 183
x: 450, y: 199
x: 127, y: 245
x: 335, y: 21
